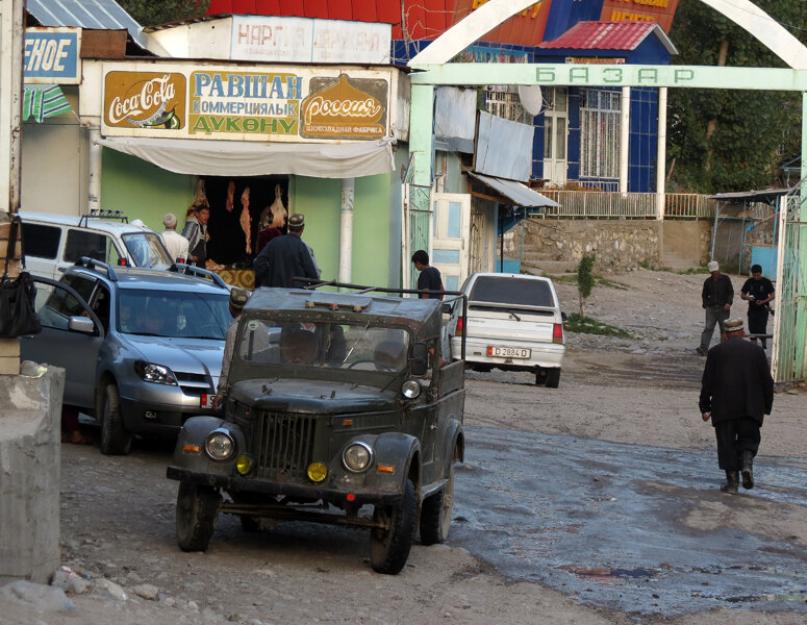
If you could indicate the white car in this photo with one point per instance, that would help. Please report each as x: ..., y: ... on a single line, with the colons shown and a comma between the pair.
x: 513, y: 323
x: 53, y: 242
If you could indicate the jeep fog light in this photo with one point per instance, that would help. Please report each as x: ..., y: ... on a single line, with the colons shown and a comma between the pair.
x: 410, y: 389
x: 357, y: 457
x: 243, y: 464
x: 317, y: 471
x: 220, y: 446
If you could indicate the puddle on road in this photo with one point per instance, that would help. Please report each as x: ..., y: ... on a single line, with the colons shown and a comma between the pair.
x: 612, y: 524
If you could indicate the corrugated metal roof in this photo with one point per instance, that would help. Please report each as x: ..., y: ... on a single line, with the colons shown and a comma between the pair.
x: 94, y: 14
x: 626, y: 36
x: 518, y: 192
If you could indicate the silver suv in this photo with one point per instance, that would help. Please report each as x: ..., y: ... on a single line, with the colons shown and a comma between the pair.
x: 141, y: 348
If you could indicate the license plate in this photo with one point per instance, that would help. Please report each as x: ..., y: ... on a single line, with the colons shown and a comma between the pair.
x: 509, y: 352
x: 206, y: 401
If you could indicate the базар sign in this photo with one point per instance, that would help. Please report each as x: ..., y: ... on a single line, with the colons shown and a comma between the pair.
x: 51, y: 55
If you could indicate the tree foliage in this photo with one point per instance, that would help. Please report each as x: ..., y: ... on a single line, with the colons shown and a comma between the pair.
x: 150, y: 13
x: 585, y: 280
x: 731, y: 140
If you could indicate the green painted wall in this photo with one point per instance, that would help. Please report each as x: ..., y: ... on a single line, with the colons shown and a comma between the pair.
x: 319, y: 199
x: 142, y: 190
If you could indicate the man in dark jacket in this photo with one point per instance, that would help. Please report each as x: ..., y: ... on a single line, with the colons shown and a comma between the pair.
x: 285, y: 258
x: 717, y: 296
x: 736, y: 393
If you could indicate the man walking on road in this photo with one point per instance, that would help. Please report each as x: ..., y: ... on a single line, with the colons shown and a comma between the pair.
x: 759, y: 293
x: 285, y: 258
x: 736, y: 393
x: 717, y: 296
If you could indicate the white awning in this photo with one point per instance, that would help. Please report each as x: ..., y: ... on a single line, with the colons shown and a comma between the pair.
x: 519, y: 193
x: 242, y: 158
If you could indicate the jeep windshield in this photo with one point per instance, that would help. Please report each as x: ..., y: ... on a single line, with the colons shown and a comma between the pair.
x: 147, y: 250
x: 324, y: 345
x: 173, y: 314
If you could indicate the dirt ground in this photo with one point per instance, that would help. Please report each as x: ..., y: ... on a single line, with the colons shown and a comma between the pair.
x: 117, y: 513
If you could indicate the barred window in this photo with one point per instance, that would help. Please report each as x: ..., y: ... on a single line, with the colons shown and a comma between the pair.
x: 600, y: 121
x: 505, y: 104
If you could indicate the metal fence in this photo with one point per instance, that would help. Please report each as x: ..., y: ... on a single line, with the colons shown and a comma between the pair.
x: 603, y: 205
x: 790, y: 320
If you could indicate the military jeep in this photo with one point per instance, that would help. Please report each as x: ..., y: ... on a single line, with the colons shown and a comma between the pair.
x: 342, y: 408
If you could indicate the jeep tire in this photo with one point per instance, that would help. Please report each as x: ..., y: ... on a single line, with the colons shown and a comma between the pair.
x: 389, y: 549
x: 435, y: 515
x: 197, y: 508
x: 115, y: 440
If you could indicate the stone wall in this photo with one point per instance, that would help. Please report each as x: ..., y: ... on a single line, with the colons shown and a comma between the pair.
x: 686, y: 243
x: 554, y: 246
x: 29, y: 474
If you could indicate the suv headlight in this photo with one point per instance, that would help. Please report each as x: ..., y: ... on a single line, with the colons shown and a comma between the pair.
x: 158, y: 374
x: 357, y: 457
x: 219, y: 445
x: 410, y: 389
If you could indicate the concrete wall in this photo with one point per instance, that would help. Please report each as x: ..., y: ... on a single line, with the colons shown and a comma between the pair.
x: 686, y: 243
x: 29, y: 475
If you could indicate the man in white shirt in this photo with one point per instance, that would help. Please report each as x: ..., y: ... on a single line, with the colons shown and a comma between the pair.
x: 176, y: 244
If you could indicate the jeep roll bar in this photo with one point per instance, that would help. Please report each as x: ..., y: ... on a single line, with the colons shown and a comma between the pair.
x: 102, y: 214
x: 198, y: 272
x: 93, y: 265
x: 311, y: 284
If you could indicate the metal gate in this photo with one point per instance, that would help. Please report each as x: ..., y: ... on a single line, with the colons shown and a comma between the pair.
x: 790, y: 321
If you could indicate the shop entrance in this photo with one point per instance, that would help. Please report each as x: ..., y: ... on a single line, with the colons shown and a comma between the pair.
x: 234, y: 233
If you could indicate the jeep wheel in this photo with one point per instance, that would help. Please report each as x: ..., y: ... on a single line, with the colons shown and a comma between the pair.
x: 553, y: 378
x: 115, y: 440
x: 435, y: 515
x: 389, y: 549
x: 197, y: 508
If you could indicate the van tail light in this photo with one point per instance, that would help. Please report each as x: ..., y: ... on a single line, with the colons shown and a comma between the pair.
x: 459, y: 330
x: 557, y: 333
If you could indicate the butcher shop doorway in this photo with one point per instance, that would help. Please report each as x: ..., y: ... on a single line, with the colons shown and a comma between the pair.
x: 233, y: 238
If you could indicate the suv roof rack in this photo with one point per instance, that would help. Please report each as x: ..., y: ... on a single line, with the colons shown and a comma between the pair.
x: 103, y: 213
x: 198, y: 272
x: 93, y: 265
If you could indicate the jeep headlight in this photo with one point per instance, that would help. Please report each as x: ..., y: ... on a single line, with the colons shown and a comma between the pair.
x: 410, y: 389
x: 357, y: 457
x: 219, y: 445
x: 158, y: 374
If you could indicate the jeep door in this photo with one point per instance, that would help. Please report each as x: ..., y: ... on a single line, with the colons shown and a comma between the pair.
x: 71, y: 336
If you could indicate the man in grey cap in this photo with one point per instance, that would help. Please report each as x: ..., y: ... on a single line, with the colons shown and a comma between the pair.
x: 717, y: 296
x: 238, y: 299
x: 736, y: 394
x: 175, y: 243
x: 285, y: 258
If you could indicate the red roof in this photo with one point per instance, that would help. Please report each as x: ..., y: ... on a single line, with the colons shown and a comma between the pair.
x: 604, y: 36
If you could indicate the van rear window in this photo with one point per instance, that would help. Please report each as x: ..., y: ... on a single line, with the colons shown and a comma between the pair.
x: 514, y: 291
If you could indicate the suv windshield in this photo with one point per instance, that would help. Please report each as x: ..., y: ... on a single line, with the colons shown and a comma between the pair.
x: 147, y: 250
x: 515, y: 291
x: 172, y: 314
x: 325, y: 345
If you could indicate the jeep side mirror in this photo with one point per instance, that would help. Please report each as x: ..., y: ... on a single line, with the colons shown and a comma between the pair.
x: 447, y: 308
x: 419, y: 363
x: 81, y: 324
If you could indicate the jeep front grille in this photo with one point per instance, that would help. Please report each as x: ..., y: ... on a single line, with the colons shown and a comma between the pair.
x: 282, y: 444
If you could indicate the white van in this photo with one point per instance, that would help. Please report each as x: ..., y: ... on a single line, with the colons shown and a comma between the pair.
x: 514, y: 323
x: 53, y: 242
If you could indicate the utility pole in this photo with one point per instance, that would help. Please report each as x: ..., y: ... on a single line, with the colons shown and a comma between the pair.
x: 11, y: 92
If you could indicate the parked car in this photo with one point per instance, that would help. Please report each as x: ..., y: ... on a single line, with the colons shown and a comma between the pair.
x: 338, y: 401
x: 141, y: 349
x: 55, y: 242
x: 514, y: 323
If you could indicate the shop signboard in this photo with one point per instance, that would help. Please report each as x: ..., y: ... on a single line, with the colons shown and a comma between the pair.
x: 145, y: 100
x: 345, y: 108
x: 237, y: 102
x: 302, y: 40
x: 526, y: 28
x: 661, y: 11
x: 51, y: 56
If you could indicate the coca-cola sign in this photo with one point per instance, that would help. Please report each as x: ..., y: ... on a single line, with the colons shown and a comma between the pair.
x: 345, y: 108
x: 145, y: 100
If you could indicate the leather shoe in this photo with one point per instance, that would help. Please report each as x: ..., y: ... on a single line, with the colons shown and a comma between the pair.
x: 747, y: 470
x: 732, y: 484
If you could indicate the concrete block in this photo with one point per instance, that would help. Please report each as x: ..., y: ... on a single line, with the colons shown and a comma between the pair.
x: 30, y: 446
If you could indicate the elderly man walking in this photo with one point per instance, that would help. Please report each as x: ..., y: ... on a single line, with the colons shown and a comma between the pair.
x: 285, y: 258
x: 717, y: 296
x: 736, y: 394
x: 175, y: 243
